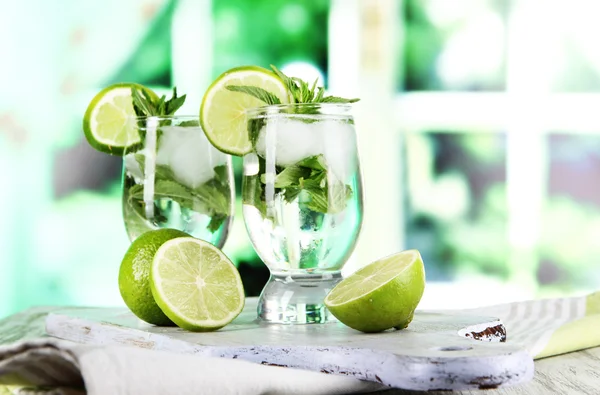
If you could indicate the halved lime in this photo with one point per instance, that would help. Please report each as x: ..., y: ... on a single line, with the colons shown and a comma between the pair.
x: 222, y: 113
x: 381, y: 295
x: 196, y: 285
x: 109, y: 121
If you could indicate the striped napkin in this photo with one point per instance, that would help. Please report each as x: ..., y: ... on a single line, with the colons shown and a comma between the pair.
x: 51, y: 366
x: 549, y: 327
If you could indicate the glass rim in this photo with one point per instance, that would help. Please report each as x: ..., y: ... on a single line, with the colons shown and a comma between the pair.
x: 164, y: 117
x: 329, y: 109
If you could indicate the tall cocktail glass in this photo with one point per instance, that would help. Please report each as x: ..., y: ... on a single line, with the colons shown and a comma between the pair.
x: 174, y: 178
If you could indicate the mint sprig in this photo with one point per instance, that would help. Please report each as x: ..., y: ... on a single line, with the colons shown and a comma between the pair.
x: 145, y: 105
x: 302, y: 92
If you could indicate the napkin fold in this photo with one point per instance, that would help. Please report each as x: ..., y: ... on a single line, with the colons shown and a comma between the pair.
x: 51, y: 366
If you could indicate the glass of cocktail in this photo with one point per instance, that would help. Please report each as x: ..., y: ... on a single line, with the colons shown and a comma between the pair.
x: 174, y: 178
x: 302, y: 204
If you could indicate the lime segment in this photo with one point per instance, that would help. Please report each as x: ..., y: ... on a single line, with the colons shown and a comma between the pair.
x: 109, y: 121
x: 196, y: 285
x: 381, y: 295
x: 222, y: 112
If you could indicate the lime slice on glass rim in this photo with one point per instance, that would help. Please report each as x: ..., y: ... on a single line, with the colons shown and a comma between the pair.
x: 223, y: 112
x: 381, y: 295
x: 196, y: 285
x: 109, y: 122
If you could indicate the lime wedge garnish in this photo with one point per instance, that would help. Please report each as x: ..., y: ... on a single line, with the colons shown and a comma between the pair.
x: 196, y: 285
x: 381, y: 295
x: 222, y: 113
x: 109, y: 122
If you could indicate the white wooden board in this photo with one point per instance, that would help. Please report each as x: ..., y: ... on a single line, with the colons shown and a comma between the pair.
x: 437, y: 350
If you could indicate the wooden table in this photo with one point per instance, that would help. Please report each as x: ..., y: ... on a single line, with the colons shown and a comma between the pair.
x: 574, y: 373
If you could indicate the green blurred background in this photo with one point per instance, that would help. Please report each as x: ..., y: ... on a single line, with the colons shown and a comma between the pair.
x: 478, y: 133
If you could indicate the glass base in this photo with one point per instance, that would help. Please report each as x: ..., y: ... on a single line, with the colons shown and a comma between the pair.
x: 297, y: 298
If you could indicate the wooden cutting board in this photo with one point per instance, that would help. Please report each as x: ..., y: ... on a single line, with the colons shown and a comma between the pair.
x: 437, y: 351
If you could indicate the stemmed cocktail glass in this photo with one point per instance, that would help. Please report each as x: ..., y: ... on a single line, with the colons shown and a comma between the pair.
x: 302, y: 196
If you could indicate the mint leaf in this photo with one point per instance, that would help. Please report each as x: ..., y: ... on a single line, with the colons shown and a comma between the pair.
x: 160, y: 171
x: 253, y: 192
x: 164, y: 172
x: 216, y: 221
x: 254, y: 127
x: 316, y: 162
x: 165, y: 189
x: 136, y: 201
x: 318, y: 194
x: 290, y: 193
x: 215, y: 197
x: 259, y: 93
x: 141, y: 161
x: 173, y: 104
x: 320, y: 94
x: 173, y: 190
x: 289, y: 176
x: 289, y: 83
x: 190, y: 123
x: 211, y: 199
x: 143, y: 104
x: 137, y: 190
x: 327, y: 198
x: 336, y: 99
x: 222, y: 175
x: 338, y: 194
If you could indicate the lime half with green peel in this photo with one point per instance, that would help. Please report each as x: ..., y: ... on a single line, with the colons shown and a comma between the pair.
x: 381, y: 295
x: 196, y: 285
x: 223, y: 111
x: 109, y: 122
x: 134, y: 275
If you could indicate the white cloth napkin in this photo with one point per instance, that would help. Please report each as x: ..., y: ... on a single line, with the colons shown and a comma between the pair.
x: 52, y: 366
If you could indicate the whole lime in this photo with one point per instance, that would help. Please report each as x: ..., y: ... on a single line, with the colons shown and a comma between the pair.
x: 134, y: 275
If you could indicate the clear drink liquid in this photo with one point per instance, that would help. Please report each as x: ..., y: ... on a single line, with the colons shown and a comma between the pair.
x: 292, y: 238
x: 168, y: 213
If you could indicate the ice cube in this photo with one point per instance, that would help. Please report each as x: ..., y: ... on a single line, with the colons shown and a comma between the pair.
x: 339, y: 146
x: 132, y: 168
x: 189, y: 154
x: 293, y: 139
